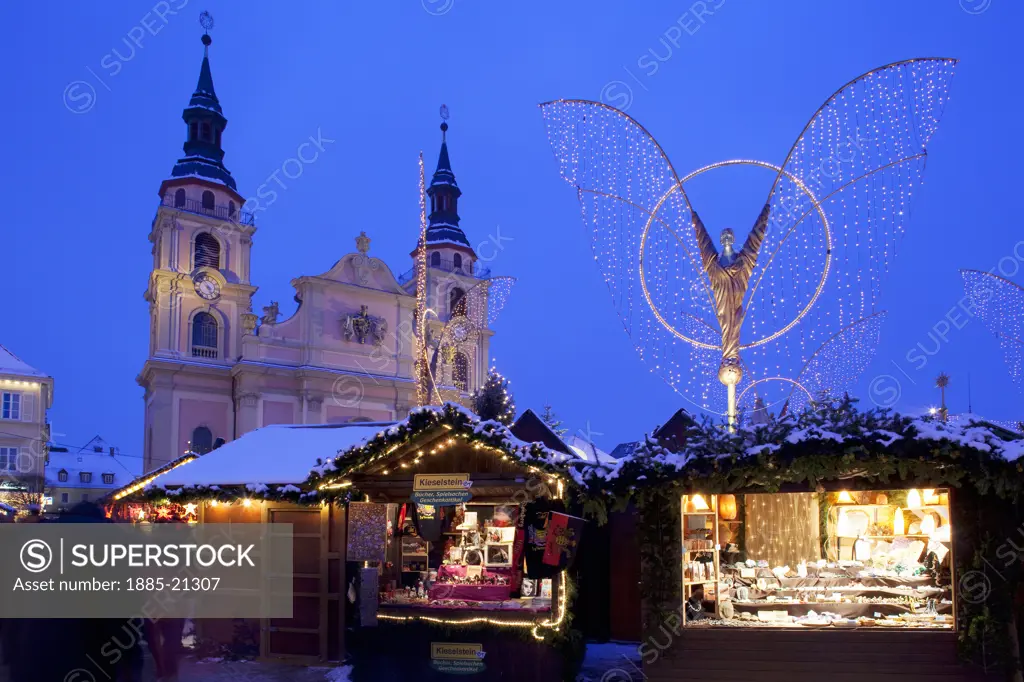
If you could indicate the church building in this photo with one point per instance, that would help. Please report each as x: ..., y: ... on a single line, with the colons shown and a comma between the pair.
x: 217, y: 370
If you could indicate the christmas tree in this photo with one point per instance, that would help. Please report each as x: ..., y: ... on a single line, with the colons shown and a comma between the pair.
x: 494, y: 400
x: 554, y: 423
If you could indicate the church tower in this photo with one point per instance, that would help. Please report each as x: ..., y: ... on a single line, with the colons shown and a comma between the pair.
x: 199, y: 292
x: 452, y: 273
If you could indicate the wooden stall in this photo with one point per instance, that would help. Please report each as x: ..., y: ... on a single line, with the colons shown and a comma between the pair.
x: 450, y: 528
x: 836, y: 545
x: 441, y: 535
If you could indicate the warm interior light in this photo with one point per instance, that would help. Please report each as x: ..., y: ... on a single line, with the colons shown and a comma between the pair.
x: 699, y: 504
x: 247, y: 502
x: 914, y: 499
x: 928, y: 524
x: 930, y: 497
x: 898, y: 527
x: 845, y: 497
x: 213, y: 503
x: 843, y: 525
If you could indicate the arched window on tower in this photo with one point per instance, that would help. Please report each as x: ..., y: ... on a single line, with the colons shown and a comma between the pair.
x: 435, y: 259
x: 204, y: 132
x: 179, y: 199
x: 193, y: 131
x: 457, y: 302
x: 202, y: 440
x: 204, y: 337
x: 460, y: 372
x: 207, y: 251
x: 209, y: 201
x: 457, y: 261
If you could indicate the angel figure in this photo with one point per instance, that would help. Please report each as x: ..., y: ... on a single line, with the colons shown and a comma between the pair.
x: 794, y: 311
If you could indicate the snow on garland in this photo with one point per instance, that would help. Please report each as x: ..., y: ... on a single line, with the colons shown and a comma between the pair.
x: 461, y: 423
x: 830, y: 442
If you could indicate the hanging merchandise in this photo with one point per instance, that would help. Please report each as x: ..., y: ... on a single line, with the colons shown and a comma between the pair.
x: 538, y: 516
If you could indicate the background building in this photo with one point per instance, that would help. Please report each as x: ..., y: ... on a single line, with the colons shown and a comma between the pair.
x: 217, y: 370
x: 25, y: 396
x: 86, y: 474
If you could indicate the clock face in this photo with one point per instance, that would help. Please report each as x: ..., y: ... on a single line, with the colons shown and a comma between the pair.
x: 207, y: 288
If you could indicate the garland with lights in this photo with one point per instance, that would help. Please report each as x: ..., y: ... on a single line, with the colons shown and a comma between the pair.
x: 460, y: 425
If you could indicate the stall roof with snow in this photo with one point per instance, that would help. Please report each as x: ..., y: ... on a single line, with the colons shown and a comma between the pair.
x: 278, y: 454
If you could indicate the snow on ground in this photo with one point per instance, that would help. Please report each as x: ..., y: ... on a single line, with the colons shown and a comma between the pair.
x: 611, y: 662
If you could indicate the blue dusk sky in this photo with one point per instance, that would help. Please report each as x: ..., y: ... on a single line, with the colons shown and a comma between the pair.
x: 91, y: 134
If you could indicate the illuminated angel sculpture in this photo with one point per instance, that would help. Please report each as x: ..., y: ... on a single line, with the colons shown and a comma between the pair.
x: 794, y: 312
x: 999, y: 303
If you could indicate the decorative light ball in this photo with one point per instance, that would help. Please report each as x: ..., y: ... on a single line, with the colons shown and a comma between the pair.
x: 730, y: 373
x: 727, y: 507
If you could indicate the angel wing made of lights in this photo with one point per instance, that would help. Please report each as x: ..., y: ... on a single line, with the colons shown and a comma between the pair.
x: 476, y: 311
x: 999, y: 303
x: 839, y: 203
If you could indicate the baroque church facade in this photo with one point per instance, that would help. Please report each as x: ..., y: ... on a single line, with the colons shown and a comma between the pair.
x: 217, y: 370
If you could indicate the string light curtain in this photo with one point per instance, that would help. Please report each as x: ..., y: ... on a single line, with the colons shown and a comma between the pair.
x: 782, y: 529
x: 1000, y: 305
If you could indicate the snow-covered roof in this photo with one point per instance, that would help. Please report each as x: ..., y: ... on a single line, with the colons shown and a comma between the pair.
x: 88, y: 459
x: 12, y: 364
x: 282, y: 453
x: 588, y: 451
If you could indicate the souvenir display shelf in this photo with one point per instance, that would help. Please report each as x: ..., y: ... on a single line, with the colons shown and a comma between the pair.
x: 701, y: 551
x: 470, y: 568
x: 885, y: 568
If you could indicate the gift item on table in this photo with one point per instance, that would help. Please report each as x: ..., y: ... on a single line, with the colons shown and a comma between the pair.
x: 469, y: 521
x: 545, y: 588
x: 499, y: 555
x: 529, y: 588
x: 505, y: 516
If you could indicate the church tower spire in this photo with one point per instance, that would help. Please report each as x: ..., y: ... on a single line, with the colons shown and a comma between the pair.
x: 204, y: 156
x: 443, y: 221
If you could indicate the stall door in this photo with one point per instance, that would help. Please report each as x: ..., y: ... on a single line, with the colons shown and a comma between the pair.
x: 303, y: 637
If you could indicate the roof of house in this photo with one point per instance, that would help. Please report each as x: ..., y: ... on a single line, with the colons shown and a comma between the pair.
x: 89, y: 459
x: 278, y: 454
x: 12, y: 364
x: 532, y: 429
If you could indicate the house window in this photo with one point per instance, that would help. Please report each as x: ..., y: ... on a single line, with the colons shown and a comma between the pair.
x: 108, y: 478
x: 457, y: 301
x: 207, y: 251
x: 179, y: 199
x: 435, y: 259
x: 208, y: 200
x: 62, y: 476
x: 10, y: 408
x: 85, y: 476
x: 204, y: 336
x: 202, y: 440
x: 460, y: 373
x: 8, y: 459
x: 64, y: 498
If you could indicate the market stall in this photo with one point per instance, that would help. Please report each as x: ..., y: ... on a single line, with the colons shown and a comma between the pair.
x: 840, y: 543
x: 442, y: 535
x: 460, y: 545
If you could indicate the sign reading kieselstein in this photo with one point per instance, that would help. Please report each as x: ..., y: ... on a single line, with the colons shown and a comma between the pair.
x: 118, y: 570
x: 441, y: 489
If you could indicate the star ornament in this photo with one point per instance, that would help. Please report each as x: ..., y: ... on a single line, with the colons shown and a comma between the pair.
x: 190, y: 509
